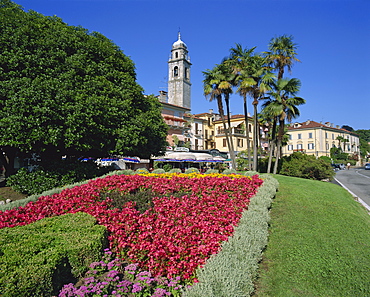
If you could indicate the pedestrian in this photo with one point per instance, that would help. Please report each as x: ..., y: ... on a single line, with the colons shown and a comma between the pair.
x: 348, y: 165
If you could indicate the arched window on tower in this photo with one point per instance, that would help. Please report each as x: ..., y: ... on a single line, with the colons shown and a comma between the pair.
x: 186, y: 72
x: 176, y: 55
x: 176, y: 71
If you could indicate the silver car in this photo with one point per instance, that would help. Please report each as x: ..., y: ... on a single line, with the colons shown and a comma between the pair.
x: 367, y: 166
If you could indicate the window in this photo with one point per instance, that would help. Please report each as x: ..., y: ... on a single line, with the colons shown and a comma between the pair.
x: 309, y: 135
x: 299, y: 146
x: 176, y: 55
x: 299, y: 136
x: 311, y: 146
x: 240, y: 142
x: 224, y: 142
x: 327, y: 146
x: 186, y: 72
x: 326, y: 135
x: 290, y: 136
x: 250, y: 128
x: 332, y: 136
x: 176, y: 71
x: 290, y: 147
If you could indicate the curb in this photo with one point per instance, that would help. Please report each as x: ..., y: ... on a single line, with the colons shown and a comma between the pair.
x: 358, y: 199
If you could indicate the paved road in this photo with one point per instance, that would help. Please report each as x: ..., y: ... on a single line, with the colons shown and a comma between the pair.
x: 357, y: 180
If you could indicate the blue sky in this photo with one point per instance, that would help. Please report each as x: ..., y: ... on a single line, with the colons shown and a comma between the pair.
x: 333, y: 38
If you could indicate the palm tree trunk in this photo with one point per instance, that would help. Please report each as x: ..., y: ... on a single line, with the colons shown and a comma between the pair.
x: 279, y: 141
x: 272, y: 145
x: 247, y: 132
x: 221, y: 112
x: 231, y: 147
x: 255, y: 136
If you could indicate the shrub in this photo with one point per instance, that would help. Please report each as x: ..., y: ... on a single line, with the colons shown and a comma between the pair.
x: 39, y: 258
x: 229, y: 171
x: 143, y: 199
x: 54, y: 175
x: 192, y: 170
x: 306, y: 166
x: 128, y: 172
x: 167, y: 167
x: 141, y: 170
x: 209, y: 171
x: 175, y: 170
x: 250, y: 173
x: 325, y: 158
x: 158, y: 171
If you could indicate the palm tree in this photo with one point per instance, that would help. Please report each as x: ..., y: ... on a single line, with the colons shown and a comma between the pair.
x: 215, y: 86
x: 340, y: 139
x: 284, y: 106
x: 269, y: 116
x: 227, y: 81
x: 282, y: 54
x: 345, y: 140
x: 253, y: 78
x: 239, y: 60
x: 263, y: 77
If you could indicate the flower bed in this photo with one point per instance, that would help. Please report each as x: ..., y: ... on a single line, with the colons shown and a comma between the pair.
x: 191, y: 216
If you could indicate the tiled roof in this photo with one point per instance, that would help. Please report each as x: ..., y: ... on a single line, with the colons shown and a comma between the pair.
x: 313, y: 124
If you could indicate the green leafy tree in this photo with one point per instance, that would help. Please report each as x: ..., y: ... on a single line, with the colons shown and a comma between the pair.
x: 65, y: 90
x: 364, y: 142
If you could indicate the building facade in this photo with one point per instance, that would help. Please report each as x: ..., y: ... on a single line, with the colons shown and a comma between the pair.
x: 317, y: 139
x: 208, y: 128
x: 195, y: 135
x: 238, y: 132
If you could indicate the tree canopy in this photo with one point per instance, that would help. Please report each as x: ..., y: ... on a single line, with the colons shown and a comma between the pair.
x: 65, y: 90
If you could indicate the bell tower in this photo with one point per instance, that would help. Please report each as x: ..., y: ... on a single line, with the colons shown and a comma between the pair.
x: 179, y: 75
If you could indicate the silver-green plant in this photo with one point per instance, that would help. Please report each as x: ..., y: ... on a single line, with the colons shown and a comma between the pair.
x: 232, y: 272
x: 141, y: 170
x: 250, y: 173
x: 158, y: 171
x: 175, y: 170
x: 229, y: 171
x: 192, y: 170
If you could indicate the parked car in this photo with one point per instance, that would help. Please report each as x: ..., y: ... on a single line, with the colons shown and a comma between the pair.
x: 342, y: 166
x: 335, y: 167
x: 367, y: 166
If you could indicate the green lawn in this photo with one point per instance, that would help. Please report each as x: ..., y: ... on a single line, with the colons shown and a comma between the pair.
x: 319, y: 243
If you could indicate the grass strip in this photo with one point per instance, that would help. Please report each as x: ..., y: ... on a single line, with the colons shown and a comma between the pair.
x: 319, y: 242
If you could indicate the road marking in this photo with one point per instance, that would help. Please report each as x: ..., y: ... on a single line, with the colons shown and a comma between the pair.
x: 362, y: 174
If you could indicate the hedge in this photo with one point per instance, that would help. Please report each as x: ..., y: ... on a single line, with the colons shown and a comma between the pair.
x: 39, y: 258
x: 232, y: 272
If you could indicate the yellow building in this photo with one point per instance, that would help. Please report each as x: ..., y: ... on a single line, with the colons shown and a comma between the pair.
x: 208, y: 128
x: 317, y: 139
x: 238, y: 131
